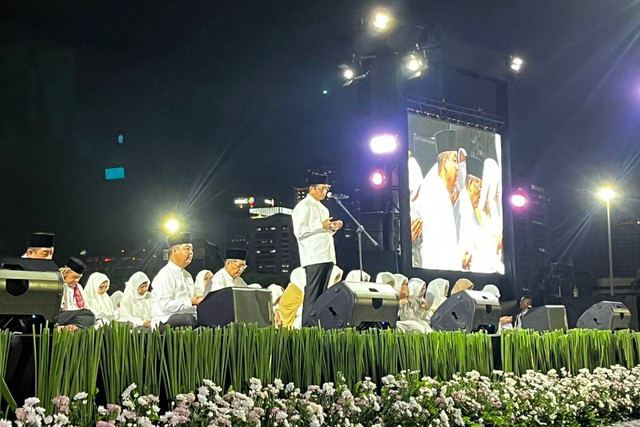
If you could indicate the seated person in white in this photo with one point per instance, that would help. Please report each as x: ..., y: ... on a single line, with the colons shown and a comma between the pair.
x: 234, y: 265
x: 135, y: 306
x: 172, y: 302
x: 354, y: 276
x: 98, y: 301
x: 202, y: 281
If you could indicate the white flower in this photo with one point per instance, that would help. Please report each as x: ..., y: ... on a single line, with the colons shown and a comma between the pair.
x: 32, y: 401
x: 80, y: 396
x: 208, y: 383
x: 128, y: 390
x: 142, y: 401
x: 203, y: 391
x: 5, y: 423
x: 48, y: 419
x: 61, y: 419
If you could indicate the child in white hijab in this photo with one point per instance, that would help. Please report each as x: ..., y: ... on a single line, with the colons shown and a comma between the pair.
x: 385, y: 278
x: 414, y: 316
x: 354, y: 276
x: 98, y: 300
x: 135, y: 307
x: 202, y: 280
x: 116, y: 297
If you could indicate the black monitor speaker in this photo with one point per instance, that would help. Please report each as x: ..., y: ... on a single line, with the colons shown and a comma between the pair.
x: 356, y: 305
x: 468, y: 311
x: 236, y: 304
x: 605, y: 315
x: 545, y: 318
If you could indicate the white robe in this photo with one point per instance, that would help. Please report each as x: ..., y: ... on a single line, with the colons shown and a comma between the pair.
x: 221, y: 280
x: 439, y: 249
x: 100, y: 305
x: 468, y: 225
x: 135, y: 308
x: 315, y: 243
x: 170, y: 294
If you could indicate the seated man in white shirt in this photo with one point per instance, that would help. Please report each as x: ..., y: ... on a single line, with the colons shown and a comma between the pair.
x: 171, y: 300
x: 234, y: 265
x: 40, y: 246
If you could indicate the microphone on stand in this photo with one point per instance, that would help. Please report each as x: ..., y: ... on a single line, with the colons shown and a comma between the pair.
x: 337, y: 196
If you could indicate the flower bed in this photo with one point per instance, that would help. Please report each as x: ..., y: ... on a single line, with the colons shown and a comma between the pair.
x: 605, y: 395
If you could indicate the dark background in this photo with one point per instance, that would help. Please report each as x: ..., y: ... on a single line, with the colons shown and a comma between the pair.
x: 218, y: 99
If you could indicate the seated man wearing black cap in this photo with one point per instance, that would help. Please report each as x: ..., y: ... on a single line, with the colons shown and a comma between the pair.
x: 74, y: 313
x: 234, y: 265
x: 40, y: 246
x: 171, y: 303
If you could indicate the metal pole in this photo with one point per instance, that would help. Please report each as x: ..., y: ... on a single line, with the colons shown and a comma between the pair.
x: 610, y: 249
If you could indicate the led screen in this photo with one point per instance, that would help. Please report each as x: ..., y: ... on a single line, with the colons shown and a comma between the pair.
x: 455, y: 190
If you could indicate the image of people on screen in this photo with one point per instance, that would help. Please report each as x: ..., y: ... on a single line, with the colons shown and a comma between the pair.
x: 455, y: 190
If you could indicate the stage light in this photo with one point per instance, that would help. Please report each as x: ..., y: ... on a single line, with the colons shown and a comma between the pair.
x: 381, y: 20
x: 325, y: 92
x: 516, y: 63
x: 171, y: 225
x: 383, y: 144
x: 377, y: 178
x: 606, y: 194
x: 414, y: 65
x: 518, y: 200
x: 348, y: 73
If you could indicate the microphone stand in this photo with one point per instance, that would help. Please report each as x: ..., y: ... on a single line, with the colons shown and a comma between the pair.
x: 359, y: 231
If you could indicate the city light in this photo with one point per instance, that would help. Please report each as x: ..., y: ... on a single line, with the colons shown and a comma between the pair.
x: 518, y: 200
x: 171, y: 226
x: 381, y: 20
x: 516, y: 63
x: 383, y: 144
x: 606, y: 194
x: 377, y: 178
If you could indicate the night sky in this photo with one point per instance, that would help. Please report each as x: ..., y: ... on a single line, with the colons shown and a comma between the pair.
x: 218, y: 99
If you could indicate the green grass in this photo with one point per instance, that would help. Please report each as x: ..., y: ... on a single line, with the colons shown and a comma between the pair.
x: 67, y: 363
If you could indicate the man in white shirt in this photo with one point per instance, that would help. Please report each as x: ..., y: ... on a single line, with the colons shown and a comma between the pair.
x: 40, y: 246
x: 171, y: 300
x: 437, y: 196
x: 314, y: 229
x: 234, y: 265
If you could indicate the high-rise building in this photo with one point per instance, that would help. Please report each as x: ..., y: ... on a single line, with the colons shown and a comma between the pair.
x: 299, y: 193
x: 272, y: 245
x: 625, y: 236
x: 531, y: 238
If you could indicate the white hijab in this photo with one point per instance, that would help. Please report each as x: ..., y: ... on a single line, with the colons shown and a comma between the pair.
x: 116, y: 297
x: 276, y: 292
x: 135, y: 308
x: 336, y: 276
x: 199, y: 285
x: 299, y: 278
x: 354, y: 276
x: 436, y: 293
x: 255, y: 286
x: 398, y: 280
x: 100, y: 305
x: 493, y: 290
x: 385, y: 278
x: 416, y: 286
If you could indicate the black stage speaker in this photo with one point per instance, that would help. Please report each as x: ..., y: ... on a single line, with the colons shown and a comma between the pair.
x: 605, y: 315
x: 546, y: 318
x: 356, y: 305
x: 236, y: 304
x: 468, y: 311
x: 30, y: 287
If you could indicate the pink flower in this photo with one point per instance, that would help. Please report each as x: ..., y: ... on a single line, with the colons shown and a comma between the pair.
x: 105, y: 424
